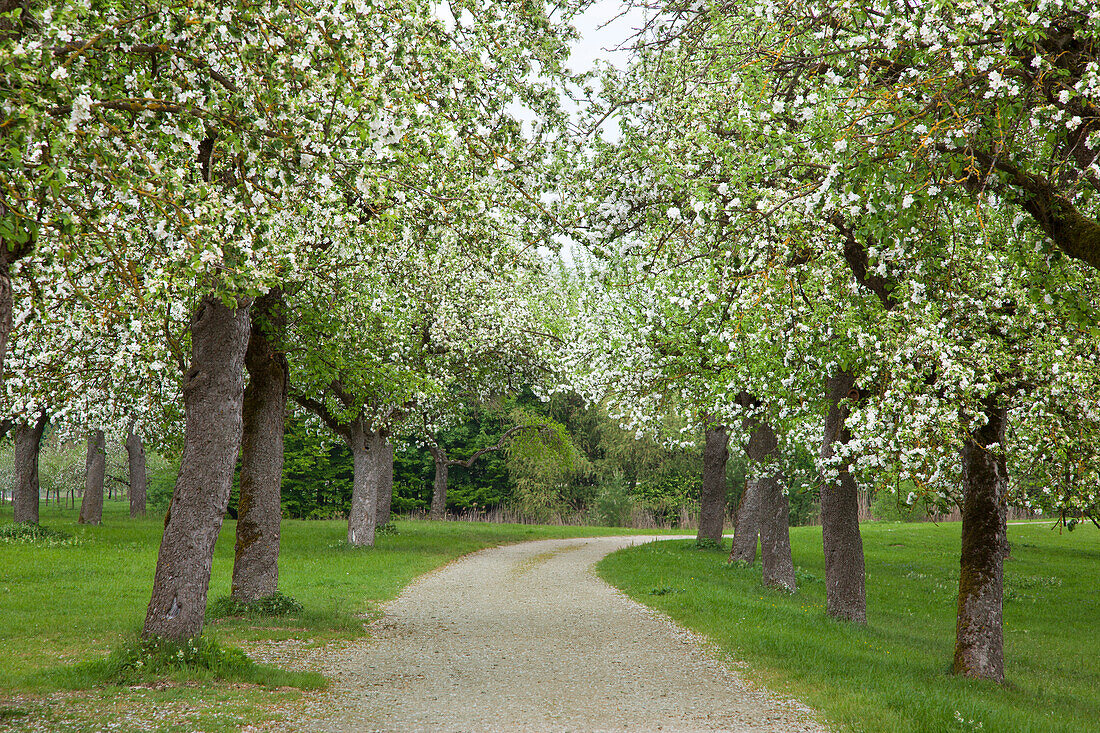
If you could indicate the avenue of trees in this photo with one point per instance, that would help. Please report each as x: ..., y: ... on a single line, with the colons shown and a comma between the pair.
x: 851, y: 246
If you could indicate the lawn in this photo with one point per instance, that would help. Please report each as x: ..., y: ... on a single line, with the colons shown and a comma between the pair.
x: 64, y: 603
x: 892, y: 675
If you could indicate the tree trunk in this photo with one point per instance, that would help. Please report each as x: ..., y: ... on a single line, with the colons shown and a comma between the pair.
x: 439, y: 487
x: 28, y: 442
x: 845, y: 592
x: 775, y: 538
x: 746, y: 525
x: 364, y: 491
x: 712, y: 498
x: 5, y: 309
x: 95, y: 464
x: 213, y: 391
x: 139, y: 482
x: 385, y: 485
x: 259, y: 510
x: 979, y: 641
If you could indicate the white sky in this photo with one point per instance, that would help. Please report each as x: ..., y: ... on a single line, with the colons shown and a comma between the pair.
x: 602, y: 28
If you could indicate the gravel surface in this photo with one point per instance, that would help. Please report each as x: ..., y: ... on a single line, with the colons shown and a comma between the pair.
x: 526, y: 638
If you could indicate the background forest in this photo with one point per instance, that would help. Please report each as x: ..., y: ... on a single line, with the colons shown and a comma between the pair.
x: 614, y: 478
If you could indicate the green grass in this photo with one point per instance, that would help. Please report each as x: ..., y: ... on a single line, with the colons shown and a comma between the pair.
x: 892, y: 676
x: 72, y: 604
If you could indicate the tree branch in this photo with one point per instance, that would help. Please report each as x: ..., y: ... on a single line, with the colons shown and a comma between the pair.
x: 855, y: 254
x: 1071, y: 231
x: 318, y: 408
x: 500, y: 444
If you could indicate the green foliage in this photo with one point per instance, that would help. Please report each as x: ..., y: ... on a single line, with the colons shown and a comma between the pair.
x: 612, y: 504
x: 575, y: 460
x: 892, y: 506
x: 667, y: 493
x: 891, y: 675
x: 277, y: 604
x: 161, y: 476
x: 317, y: 474
x: 487, y: 483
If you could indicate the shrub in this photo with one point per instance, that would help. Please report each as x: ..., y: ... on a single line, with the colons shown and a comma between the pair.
x: 277, y: 604
x: 145, y: 658
x: 202, y: 658
x: 612, y: 504
x: 24, y: 533
x: 708, y: 544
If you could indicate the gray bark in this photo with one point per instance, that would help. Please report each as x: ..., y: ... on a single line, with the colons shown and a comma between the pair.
x: 439, y: 486
x: 139, y: 481
x: 5, y: 307
x: 979, y: 629
x: 746, y: 526
x: 259, y: 512
x: 385, y: 486
x: 712, y: 498
x: 364, y: 447
x: 775, y: 536
x: 775, y: 539
x: 213, y: 391
x: 845, y: 592
x: 25, y: 493
x: 95, y: 469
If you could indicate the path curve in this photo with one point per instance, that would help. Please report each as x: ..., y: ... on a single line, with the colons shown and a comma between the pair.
x: 525, y: 637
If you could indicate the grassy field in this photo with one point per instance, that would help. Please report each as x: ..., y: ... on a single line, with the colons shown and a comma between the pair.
x: 63, y: 603
x: 892, y: 676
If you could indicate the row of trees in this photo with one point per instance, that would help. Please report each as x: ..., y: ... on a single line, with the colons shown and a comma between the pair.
x: 336, y: 198
x: 865, y: 230
x: 607, y: 476
x: 861, y: 232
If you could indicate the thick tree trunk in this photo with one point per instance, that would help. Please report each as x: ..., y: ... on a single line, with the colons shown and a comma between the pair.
x: 775, y: 539
x: 212, y: 394
x: 439, y: 486
x: 259, y: 510
x: 845, y: 592
x: 979, y: 641
x: 139, y: 481
x: 712, y: 498
x: 364, y: 491
x: 385, y: 485
x: 28, y: 442
x: 95, y: 469
x: 775, y: 536
x: 746, y: 525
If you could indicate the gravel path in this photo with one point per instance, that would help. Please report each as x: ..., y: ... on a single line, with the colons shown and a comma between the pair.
x: 526, y: 638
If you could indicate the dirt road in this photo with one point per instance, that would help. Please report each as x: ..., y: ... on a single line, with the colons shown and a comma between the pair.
x: 526, y: 638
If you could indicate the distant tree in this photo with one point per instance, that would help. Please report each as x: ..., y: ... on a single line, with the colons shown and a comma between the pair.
x: 95, y: 471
